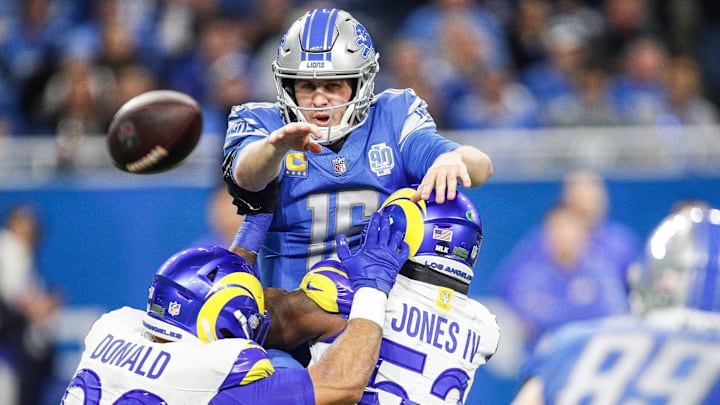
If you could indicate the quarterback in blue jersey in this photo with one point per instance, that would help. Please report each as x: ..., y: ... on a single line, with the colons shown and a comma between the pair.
x: 668, y: 353
x: 199, y: 341
x: 337, y: 149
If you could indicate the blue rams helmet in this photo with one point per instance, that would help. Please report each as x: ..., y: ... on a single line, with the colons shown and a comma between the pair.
x: 443, y: 237
x: 682, y: 263
x: 327, y: 43
x: 207, y: 292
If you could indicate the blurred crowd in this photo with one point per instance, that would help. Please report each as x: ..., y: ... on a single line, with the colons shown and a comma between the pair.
x: 571, y: 266
x: 67, y: 65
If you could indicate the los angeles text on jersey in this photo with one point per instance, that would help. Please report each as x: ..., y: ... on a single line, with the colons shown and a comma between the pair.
x: 437, y: 331
x: 139, y: 359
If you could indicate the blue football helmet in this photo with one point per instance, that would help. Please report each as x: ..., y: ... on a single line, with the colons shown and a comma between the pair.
x: 443, y: 237
x: 682, y: 263
x: 207, y: 292
x: 327, y: 43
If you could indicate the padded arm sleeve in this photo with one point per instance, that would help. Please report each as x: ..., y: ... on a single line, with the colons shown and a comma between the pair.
x: 249, y: 202
x: 328, y: 286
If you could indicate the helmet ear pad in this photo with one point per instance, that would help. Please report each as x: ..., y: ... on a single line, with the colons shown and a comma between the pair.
x: 354, y: 86
x: 289, y: 86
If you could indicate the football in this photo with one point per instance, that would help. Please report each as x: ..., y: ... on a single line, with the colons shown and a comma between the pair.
x: 154, y: 131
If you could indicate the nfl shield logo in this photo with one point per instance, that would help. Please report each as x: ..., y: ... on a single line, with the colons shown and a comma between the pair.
x: 339, y: 165
x: 174, y: 309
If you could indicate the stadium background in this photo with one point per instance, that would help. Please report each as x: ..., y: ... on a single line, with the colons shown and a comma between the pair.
x: 105, y: 231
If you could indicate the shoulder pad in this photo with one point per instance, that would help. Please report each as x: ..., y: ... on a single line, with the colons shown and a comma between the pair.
x: 252, y: 364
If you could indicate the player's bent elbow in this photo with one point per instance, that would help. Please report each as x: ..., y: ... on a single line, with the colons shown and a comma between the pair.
x: 249, y: 183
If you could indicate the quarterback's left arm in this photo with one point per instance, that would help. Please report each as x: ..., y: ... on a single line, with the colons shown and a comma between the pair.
x: 468, y: 164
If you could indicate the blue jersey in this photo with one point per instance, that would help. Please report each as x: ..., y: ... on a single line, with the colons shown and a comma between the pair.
x: 120, y: 364
x: 328, y: 193
x: 670, y: 357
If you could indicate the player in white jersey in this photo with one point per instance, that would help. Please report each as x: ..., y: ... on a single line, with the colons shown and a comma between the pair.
x: 667, y: 353
x: 337, y: 149
x: 199, y: 342
x: 435, y: 336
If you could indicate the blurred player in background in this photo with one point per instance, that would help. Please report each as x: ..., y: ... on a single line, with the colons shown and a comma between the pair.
x: 28, y: 310
x: 586, y: 192
x: 435, y: 336
x: 337, y: 149
x: 199, y: 340
x: 561, y: 277
x: 572, y: 266
x: 222, y: 221
x: 669, y: 355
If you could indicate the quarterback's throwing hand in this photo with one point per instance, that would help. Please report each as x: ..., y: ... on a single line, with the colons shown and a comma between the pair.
x: 297, y: 135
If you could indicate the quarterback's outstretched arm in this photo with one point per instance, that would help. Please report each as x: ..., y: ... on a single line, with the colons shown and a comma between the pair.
x: 259, y: 162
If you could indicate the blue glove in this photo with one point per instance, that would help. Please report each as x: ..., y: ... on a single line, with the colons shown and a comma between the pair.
x: 379, y: 259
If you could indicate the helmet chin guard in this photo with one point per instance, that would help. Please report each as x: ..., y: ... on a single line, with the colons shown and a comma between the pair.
x: 327, y: 44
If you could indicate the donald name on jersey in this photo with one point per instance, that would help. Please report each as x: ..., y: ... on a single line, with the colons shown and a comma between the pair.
x: 137, y: 358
